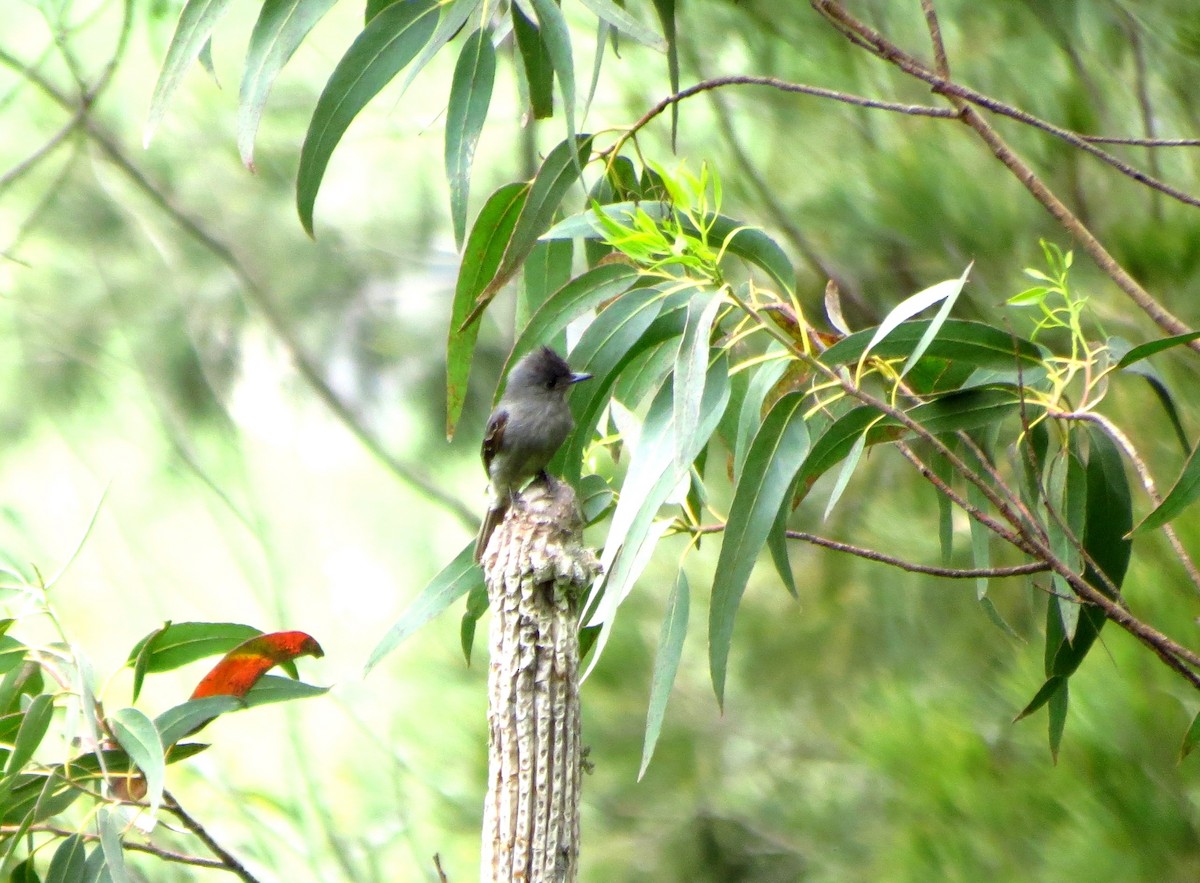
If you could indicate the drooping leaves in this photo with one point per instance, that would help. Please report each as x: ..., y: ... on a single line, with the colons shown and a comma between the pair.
x: 774, y: 457
x: 470, y: 96
x: 281, y: 27
x: 196, y: 23
x: 666, y: 664
x: 454, y: 580
x: 1183, y: 493
x: 389, y: 42
x: 481, y: 259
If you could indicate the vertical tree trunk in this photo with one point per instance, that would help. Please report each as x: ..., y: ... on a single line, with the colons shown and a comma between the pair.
x: 536, y: 569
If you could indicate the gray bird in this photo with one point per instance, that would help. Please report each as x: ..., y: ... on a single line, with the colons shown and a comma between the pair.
x: 529, y: 425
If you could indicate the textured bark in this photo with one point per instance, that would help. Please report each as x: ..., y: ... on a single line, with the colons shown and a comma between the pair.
x: 537, y: 570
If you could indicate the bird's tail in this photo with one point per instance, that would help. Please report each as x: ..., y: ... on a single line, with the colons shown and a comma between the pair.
x: 491, y: 520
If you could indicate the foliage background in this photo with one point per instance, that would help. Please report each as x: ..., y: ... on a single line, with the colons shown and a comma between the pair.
x: 867, y: 731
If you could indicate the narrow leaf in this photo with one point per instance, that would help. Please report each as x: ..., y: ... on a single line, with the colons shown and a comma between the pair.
x: 917, y: 303
x: 1145, y: 350
x: 750, y: 416
x: 1190, y: 739
x: 281, y: 27
x: 196, y: 23
x: 481, y: 258
x: 974, y: 343
x: 775, y: 455
x: 389, y: 41
x: 111, y: 828
x: 183, y: 720
x: 1042, y: 696
x: 559, y: 171
x: 691, y: 364
x: 547, y: 269
x: 470, y: 96
x: 651, y: 479
x: 610, y: 12
x: 139, y: 737
x: 666, y: 15
x: 557, y: 37
x: 34, y: 724
x: 1184, y: 492
x: 538, y: 70
x: 455, y: 580
x: 938, y: 320
x: 457, y: 13
x: 69, y: 862
x: 1057, y: 720
x: 666, y: 665
x: 848, y: 467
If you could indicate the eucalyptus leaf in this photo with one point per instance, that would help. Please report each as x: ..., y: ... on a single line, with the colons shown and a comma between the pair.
x: 470, y: 97
x: 666, y: 664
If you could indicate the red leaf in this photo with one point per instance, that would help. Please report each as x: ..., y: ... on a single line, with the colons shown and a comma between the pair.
x: 242, y: 666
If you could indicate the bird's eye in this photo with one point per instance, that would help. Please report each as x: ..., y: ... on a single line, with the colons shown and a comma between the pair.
x: 549, y: 384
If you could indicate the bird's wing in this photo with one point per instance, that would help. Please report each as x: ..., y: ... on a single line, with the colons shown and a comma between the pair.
x: 493, y: 437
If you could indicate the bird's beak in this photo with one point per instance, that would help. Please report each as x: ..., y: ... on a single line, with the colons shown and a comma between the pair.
x: 575, y: 378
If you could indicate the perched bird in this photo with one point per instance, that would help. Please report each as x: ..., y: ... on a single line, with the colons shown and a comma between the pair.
x: 529, y: 425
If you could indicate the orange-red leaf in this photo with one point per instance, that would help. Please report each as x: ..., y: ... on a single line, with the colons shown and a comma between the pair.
x: 242, y: 666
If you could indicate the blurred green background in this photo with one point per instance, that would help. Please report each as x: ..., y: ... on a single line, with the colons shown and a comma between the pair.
x: 162, y: 316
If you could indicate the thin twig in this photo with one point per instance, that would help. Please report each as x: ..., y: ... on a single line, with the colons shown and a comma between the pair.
x: 963, y: 99
x: 261, y: 298
x: 156, y: 851
x: 227, y: 858
x: 883, y: 48
x: 899, y: 563
x: 784, y: 86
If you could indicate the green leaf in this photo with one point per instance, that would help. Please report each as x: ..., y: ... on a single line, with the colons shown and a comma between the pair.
x: 12, y: 654
x: 968, y: 410
x: 974, y: 343
x: 952, y: 290
x: 557, y: 37
x: 832, y: 446
x: 691, y: 365
x: 139, y: 737
x: 909, y: 307
x: 595, y: 497
x: 69, y: 860
x: 111, y: 828
x: 1159, y: 385
x: 1184, y: 492
x: 1042, y: 696
x: 558, y: 172
x: 777, y: 545
x: 34, y: 724
x: 610, y: 12
x: 452, y: 582
x: 177, y: 644
x: 1190, y: 739
x: 547, y: 269
x: 389, y: 41
x: 1108, y: 519
x: 652, y: 477
x: 457, y: 13
x: 981, y: 552
x: 181, y: 721
x: 1058, y: 717
x: 666, y: 665
x: 843, y: 479
x: 275, y: 688
x: 281, y: 27
x: 470, y: 96
x: 750, y: 414
x: 481, y: 258
x: 535, y: 63
x: 609, y: 344
x: 666, y: 15
x: 196, y: 23
x: 748, y: 243
x: 775, y: 455
x: 1145, y: 350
